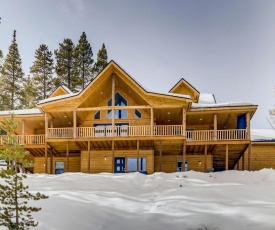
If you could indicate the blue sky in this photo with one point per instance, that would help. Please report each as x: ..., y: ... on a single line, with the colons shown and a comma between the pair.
x: 225, y: 47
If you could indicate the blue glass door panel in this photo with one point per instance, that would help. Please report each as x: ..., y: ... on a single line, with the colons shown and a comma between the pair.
x: 119, y: 164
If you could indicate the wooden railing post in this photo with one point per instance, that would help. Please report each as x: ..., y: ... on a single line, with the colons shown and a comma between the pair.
x: 23, y: 132
x: 247, y: 126
x: 74, y: 117
x: 183, y: 156
x: 152, y: 121
x: 46, y: 125
x: 226, y: 157
x: 183, y: 121
x: 113, y: 104
x: 215, y: 126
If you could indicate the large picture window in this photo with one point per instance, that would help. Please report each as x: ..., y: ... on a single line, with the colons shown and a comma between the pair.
x: 132, y: 164
x: 119, y: 101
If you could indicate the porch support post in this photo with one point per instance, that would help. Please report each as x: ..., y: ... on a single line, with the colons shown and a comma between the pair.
x: 46, y: 125
x: 113, y: 104
x: 250, y: 157
x: 215, y: 126
x: 67, y: 155
x: 183, y: 156
x: 113, y: 156
x: 205, y: 158
x: 89, y: 156
x: 74, y: 117
x: 46, y: 158
x: 137, y: 155
x: 243, y: 161
x: 152, y: 121
x: 247, y: 126
x: 183, y: 121
x: 160, y: 156
x: 51, y: 161
x: 226, y: 157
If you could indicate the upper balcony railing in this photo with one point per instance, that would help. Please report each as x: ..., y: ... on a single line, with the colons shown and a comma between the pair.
x: 209, y: 135
x: 26, y: 139
x: 119, y: 131
x: 131, y: 131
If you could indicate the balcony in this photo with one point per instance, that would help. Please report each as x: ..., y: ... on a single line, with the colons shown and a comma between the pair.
x: 209, y: 135
x: 131, y: 131
x: 147, y: 131
x: 119, y: 131
x: 26, y: 140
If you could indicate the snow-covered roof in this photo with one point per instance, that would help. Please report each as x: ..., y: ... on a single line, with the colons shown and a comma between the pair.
x: 207, y: 98
x: 217, y: 105
x: 263, y: 135
x: 57, y: 98
x: 66, y: 89
x: 21, y: 112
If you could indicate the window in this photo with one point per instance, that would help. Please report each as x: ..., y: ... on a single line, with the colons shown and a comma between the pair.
x: 179, y: 166
x: 119, y: 101
x: 132, y: 164
x: 59, y: 167
x: 97, y: 115
x: 137, y: 114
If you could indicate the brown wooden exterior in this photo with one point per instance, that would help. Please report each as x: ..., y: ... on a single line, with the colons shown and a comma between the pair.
x: 170, y: 130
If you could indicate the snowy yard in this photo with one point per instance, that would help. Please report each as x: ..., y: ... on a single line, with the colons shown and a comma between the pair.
x: 176, y: 201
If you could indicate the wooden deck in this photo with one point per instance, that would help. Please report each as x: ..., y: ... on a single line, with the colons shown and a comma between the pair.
x: 131, y: 132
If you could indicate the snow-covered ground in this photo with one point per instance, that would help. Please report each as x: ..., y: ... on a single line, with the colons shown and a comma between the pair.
x: 175, y: 201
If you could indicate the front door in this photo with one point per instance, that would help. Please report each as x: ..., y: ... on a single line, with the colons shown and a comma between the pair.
x: 119, y: 164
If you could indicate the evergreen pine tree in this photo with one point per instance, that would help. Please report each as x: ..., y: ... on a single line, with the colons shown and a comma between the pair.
x: 1, y: 60
x: 14, y: 196
x: 12, y: 78
x: 83, y: 62
x: 30, y: 96
x: 42, y: 70
x: 64, y: 64
x: 102, y: 61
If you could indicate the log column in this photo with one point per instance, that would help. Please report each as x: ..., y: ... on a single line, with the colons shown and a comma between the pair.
x: 113, y: 156
x: 46, y: 125
x: 74, y: 117
x: 250, y: 157
x: 113, y: 104
x: 226, y: 157
x: 46, y: 158
x: 183, y: 156
x: 23, y: 132
x: 183, y: 121
x: 137, y: 155
x: 152, y: 121
x: 67, y: 155
x: 247, y: 126
x: 160, y: 156
x: 215, y: 126
x: 89, y: 156
x: 205, y: 158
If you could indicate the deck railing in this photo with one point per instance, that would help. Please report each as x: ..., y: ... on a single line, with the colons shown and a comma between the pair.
x: 200, y: 135
x: 131, y: 131
x: 209, y: 135
x: 231, y: 134
x: 60, y: 132
x: 25, y: 140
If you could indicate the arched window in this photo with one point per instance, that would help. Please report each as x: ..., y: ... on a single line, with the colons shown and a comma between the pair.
x: 119, y: 101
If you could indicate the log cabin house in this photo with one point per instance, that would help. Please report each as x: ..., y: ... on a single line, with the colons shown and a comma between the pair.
x: 115, y: 125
